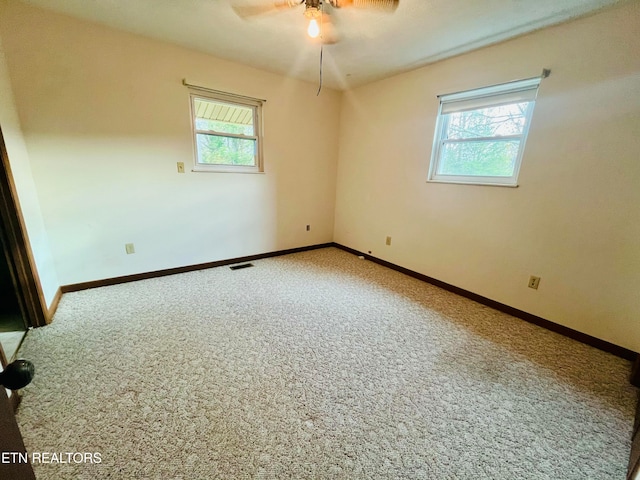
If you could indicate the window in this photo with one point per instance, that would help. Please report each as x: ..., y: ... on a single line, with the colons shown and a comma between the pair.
x: 227, y: 132
x: 480, y: 134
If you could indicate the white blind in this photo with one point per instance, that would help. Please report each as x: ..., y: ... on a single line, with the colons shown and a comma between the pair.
x: 512, y: 92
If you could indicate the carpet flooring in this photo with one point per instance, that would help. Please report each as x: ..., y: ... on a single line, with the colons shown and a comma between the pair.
x: 316, y: 365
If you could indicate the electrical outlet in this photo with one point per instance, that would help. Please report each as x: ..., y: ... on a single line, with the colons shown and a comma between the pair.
x: 534, y: 282
x: 129, y: 248
x: 388, y: 241
x: 180, y: 167
x: 308, y: 227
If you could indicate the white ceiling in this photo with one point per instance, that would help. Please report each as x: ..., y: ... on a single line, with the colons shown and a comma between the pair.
x: 372, y: 45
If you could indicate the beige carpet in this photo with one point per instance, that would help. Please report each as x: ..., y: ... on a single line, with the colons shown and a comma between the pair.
x: 316, y: 365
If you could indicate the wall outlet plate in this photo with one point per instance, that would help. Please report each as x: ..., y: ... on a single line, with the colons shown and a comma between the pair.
x: 534, y: 282
x: 129, y: 248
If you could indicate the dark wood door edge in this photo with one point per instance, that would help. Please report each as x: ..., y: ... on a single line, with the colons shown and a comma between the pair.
x: 14, y: 400
x: 19, y: 255
x: 11, y: 441
x: 635, y: 372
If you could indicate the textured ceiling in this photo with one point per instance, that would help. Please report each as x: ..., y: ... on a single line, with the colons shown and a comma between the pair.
x: 372, y: 45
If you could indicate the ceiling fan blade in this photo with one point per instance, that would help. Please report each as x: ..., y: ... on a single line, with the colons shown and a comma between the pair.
x: 380, y: 5
x: 245, y: 11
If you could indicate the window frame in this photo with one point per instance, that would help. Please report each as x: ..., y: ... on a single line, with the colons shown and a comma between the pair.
x: 476, y: 99
x: 234, y: 100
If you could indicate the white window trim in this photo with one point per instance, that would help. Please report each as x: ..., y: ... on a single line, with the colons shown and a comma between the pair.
x: 254, y: 104
x: 495, y: 95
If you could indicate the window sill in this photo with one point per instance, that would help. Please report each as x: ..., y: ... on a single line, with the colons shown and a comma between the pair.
x: 223, y: 169
x: 480, y: 184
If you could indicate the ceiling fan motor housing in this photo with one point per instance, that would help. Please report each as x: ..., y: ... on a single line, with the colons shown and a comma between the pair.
x: 312, y: 8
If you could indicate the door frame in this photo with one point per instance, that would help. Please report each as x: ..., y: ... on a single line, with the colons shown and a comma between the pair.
x: 11, y: 441
x: 17, y: 248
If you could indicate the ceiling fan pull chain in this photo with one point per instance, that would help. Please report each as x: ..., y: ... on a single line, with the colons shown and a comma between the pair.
x: 321, y: 46
x: 320, y: 86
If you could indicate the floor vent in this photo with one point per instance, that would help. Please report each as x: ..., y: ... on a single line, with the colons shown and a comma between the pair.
x: 244, y: 265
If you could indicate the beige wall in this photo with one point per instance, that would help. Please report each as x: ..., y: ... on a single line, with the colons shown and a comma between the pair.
x: 575, y: 218
x: 105, y: 118
x: 25, y: 187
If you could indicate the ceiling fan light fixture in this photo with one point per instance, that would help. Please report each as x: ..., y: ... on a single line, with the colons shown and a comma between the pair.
x: 314, y: 28
x: 313, y: 14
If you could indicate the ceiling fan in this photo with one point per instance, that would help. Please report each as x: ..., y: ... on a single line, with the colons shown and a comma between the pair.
x: 319, y: 19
